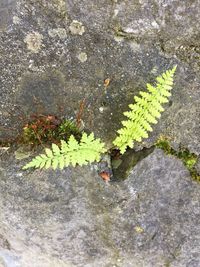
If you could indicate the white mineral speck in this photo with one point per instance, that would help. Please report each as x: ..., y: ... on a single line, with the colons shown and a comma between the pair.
x: 116, y: 11
x: 101, y: 109
x: 118, y: 39
x: 82, y: 57
x: 16, y: 20
x: 155, y: 24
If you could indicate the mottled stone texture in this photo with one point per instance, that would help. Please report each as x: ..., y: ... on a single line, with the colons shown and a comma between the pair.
x: 54, y: 54
x: 6, y: 7
x: 73, y: 218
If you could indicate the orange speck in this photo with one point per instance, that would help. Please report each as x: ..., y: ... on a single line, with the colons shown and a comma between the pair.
x: 105, y: 176
x: 107, y: 82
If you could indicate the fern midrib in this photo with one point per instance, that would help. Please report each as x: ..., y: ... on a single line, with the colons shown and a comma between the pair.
x: 138, y: 117
x: 72, y: 151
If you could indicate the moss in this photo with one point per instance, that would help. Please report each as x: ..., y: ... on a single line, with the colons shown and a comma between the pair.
x: 48, y: 129
x: 189, y: 159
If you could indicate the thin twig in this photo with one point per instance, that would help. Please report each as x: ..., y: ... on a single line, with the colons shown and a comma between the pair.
x: 80, y: 113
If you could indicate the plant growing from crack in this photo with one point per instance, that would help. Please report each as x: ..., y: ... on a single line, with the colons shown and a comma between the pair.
x: 189, y: 159
x: 144, y: 112
x: 71, y: 152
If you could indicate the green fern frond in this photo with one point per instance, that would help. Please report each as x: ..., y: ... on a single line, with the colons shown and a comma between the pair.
x: 146, y: 110
x: 88, y: 150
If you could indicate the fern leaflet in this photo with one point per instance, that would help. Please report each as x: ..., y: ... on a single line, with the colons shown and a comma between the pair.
x: 87, y: 151
x: 146, y: 110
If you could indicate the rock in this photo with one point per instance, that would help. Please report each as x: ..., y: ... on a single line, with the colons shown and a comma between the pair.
x: 76, y: 27
x: 34, y: 41
x: 160, y: 190
x: 82, y: 57
x: 73, y: 218
x: 22, y: 153
x: 60, y: 32
x: 198, y: 166
x: 57, y: 54
x: 123, y: 165
x: 6, y: 8
x: 87, y: 42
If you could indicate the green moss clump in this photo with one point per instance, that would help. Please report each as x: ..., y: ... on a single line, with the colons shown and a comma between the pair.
x: 164, y: 144
x: 68, y: 128
x: 189, y: 159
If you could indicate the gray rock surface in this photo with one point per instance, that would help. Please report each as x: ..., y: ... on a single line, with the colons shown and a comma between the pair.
x: 54, y: 54
x: 73, y: 218
x: 6, y: 8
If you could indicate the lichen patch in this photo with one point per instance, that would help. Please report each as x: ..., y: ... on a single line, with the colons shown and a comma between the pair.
x: 34, y: 41
x: 77, y: 28
x: 16, y: 20
x: 82, y: 57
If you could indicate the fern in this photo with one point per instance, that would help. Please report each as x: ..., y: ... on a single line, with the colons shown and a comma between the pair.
x: 144, y: 112
x: 87, y: 151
